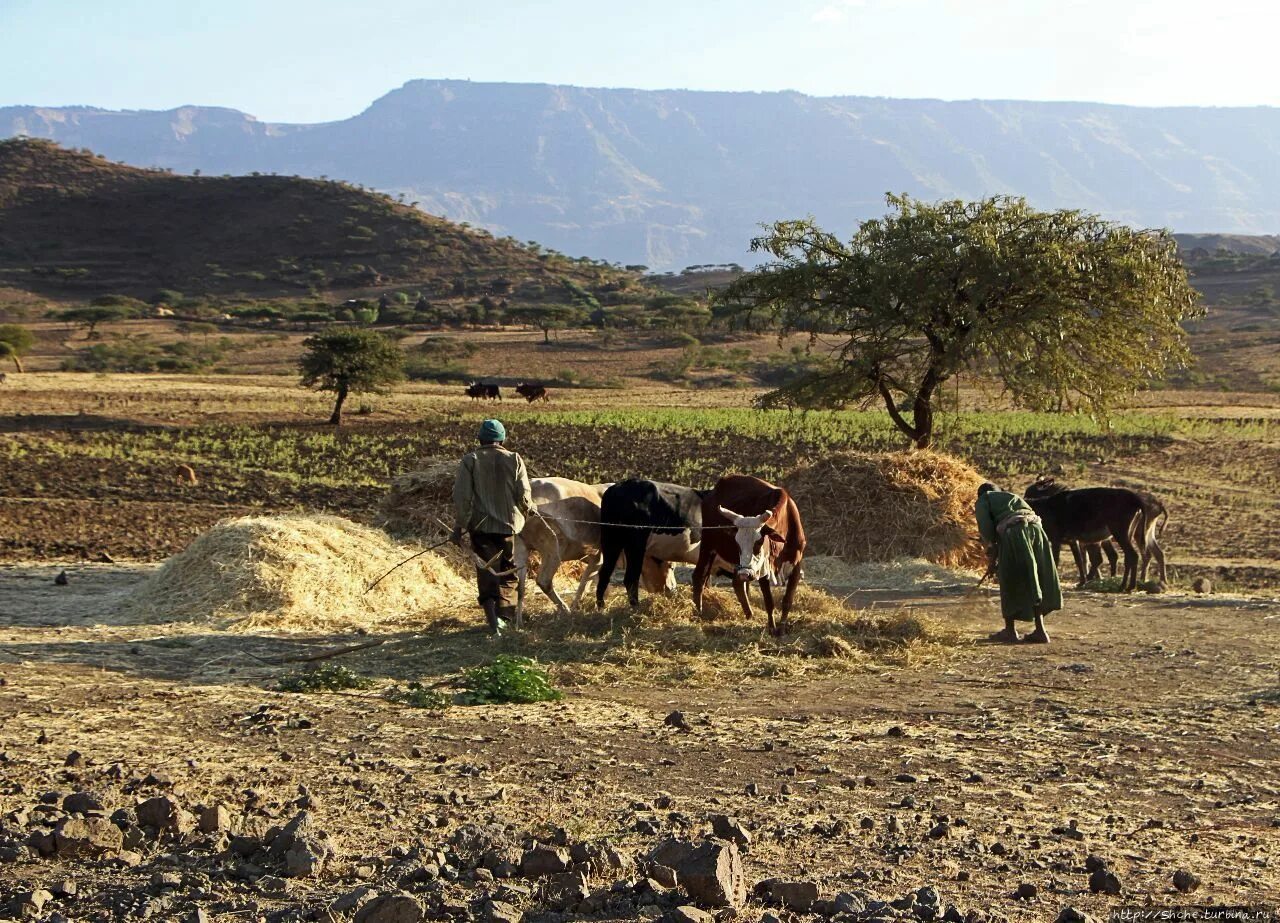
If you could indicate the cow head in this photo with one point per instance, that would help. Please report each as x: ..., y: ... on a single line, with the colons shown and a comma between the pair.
x: 751, y: 532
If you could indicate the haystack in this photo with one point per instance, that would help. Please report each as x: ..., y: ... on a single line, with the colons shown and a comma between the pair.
x: 863, y: 507
x: 297, y: 572
x: 418, y: 501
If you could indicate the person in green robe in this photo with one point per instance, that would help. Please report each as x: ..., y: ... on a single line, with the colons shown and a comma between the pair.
x: 1022, y: 558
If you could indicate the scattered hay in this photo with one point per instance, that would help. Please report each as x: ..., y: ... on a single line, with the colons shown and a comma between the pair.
x: 418, y: 501
x: 863, y: 507
x: 902, y: 574
x: 297, y: 573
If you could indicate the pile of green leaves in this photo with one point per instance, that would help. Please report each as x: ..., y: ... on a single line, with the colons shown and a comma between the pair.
x: 508, y: 679
x: 328, y: 678
x: 416, y: 695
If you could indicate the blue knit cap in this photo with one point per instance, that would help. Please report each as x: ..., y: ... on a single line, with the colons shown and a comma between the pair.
x: 493, y: 431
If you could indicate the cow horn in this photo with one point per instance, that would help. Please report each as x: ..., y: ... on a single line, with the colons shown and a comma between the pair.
x: 730, y: 515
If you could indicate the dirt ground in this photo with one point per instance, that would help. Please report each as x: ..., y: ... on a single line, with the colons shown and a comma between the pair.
x: 1145, y: 734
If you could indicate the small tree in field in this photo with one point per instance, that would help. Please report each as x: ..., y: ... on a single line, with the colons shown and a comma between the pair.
x: 344, y: 360
x: 547, y: 317
x: 91, y: 316
x: 1066, y: 310
x: 15, y: 342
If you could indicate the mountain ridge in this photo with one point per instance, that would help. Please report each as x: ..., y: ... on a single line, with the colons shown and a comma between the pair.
x: 674, y: 177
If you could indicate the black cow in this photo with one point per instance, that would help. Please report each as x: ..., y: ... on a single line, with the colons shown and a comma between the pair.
x: 480, y: 391
x: 1092, y: 515
x: 631, y: 512
x: 532, y: 392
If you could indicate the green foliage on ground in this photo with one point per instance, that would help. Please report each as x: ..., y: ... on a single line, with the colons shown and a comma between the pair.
x: 326, y: 678
x: 508, y: 680
x: 138, y: 354
x: 416, y: 695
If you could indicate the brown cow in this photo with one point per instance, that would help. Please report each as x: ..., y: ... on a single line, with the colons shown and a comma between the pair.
x: 533, y: 392
x: 752, y: 530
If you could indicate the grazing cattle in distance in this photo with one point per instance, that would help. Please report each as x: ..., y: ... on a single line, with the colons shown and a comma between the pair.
x: 647, y: 521
x: 532, y: 392
x: 480, y: 391
x: 766, y: 544
x: 1091, y: 515
x: 567, y: 528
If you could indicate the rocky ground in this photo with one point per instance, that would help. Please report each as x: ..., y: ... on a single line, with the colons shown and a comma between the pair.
x: 150, y: 774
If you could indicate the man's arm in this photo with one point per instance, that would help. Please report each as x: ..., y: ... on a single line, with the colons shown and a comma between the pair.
x: 463, y: 496
x: 524, y: 490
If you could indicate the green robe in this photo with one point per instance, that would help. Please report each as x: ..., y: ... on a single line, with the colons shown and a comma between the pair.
x: 1027, y: 572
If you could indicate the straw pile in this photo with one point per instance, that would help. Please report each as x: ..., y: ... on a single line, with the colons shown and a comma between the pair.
x: 297, y: 572
x: 419, y: 500
x: 862, y: 507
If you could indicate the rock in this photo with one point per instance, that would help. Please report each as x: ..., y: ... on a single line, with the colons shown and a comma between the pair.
x: 1202, y: 585
x: 215, y: 818
x: 710, y: 871
x: 1025, y: 891
x: 273, y: 886
x: 281, y: 841
x: 905, y: 777
x: 61, y: 579
x: 82, y: 803
x: 544, y: 860
x: 353, y: 900
x: 129, y: 859
x: 41, y: 842
x: 1103, y: 881
x: 794, y: 895
x: 940, y: 831
x: 730, y: 828
x: 848, y: 902
x: 196, y: 915
x: 305, y: 858
x: 1071, y: 915
x: 75, y: 760
x: 30, y: 903
x: 689, y: 914
x: 752, y: 790
x: 678, y: 721
x: 391, y: 908
x: 566, y: 890
x: 500, y: 912
x: 166, y: 816
x: 87, y: 838
x: 1185, y: 881
x: 65, y: 887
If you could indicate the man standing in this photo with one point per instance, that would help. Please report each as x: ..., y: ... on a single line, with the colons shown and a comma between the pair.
x: 1020, y: 554
x: 491, y: 497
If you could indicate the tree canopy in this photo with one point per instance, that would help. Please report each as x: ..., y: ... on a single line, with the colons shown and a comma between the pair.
x: 344, y: 360
x: 1065, y: 310
x: 91, y: 316
x: 15, y: 342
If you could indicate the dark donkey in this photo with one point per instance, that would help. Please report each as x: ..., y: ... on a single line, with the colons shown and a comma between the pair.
x: 1090, y: 516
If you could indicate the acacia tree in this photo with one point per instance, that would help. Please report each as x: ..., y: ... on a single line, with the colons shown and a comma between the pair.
x: 15, y: 340
x: 344, y: 360
x: 547, y: 317
x: 90, y: 316
x: 1067, y: 311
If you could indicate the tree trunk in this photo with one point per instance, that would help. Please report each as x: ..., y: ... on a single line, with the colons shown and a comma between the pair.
x: 336, y: 419
x: 17, y: 362
x: 546, y: 335
x: 922, y: 412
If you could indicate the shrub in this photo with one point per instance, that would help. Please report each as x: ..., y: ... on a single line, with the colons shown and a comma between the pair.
x: 508, y: 679
x: 327, y: 678
x: 416, y: 695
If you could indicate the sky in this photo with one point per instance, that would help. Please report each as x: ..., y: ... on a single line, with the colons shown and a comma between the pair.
x: 320, y: 60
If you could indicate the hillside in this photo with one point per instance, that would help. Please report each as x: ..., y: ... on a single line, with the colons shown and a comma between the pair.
x: 670, y: 178
x: 74, y: 223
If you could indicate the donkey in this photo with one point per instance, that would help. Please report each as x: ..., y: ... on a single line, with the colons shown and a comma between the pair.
x: 1091, y: 515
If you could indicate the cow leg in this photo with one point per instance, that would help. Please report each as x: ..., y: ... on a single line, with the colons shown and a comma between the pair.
x: 1158, y: 553
x: 547, y: 571
x: 1125, y: 541
x: 635, y: 568
x: 1078, y: 555
x: 610, y: 548
x: 701, y: 571
x: 793, y: 581
x: 591, y: 570
x: 740, y: 590
x: 766, y: 593
x: 1109, y: 549
x: 1094, y: 553
x: 521, y: 560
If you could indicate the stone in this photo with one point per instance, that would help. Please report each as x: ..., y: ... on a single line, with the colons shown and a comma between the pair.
x: 689, y: 914
x: 544, y: 860
x: 353, y: 900
x: 678, y: 721
x: 305, y: 858
x: 74, y: 760
x: 82, y: 803
x: 87, y: 838
x: 1072, y: 915
x: 1202, y: 585
x: 1094, y: 863
x: 166, y: 816
x: 500, y: 912
x: 1104, y: 882
x: 940, y: 831
x: 664, y: 875
x: 64, y: 887
x: 129, y: 859
x: 710, y: 871
x: 40, y: 842
x: 1185, y: 881
x: 1025, y: 891
x: 566, y: 890
x: 215, y: 818
x: 298, y: 827
x: 848, y: 902
x: 730, y: 828
x: 391, y: 908
x: 794, y: 895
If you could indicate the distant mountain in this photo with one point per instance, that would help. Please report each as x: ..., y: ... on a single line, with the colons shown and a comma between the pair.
x: 675, y: 177
x: 75, y: 224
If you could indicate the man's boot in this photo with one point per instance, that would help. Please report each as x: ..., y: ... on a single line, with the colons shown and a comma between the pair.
x: 506, y: 617
x: 490, y: 607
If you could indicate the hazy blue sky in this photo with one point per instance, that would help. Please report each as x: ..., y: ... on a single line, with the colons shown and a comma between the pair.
x: 312, y: 60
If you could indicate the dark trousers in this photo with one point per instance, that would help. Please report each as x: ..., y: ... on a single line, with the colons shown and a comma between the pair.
x: 501, y: 589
